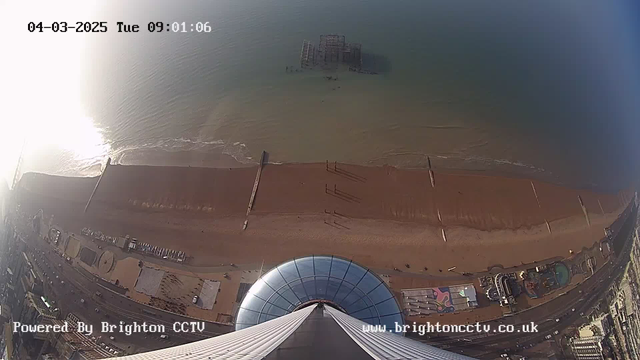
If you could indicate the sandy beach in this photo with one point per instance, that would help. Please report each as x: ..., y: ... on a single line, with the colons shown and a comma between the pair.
x: 384, y: 217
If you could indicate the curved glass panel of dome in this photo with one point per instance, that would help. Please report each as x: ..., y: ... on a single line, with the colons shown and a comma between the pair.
x: 342, y: 283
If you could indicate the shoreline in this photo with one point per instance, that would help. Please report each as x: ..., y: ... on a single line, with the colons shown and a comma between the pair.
x: 128, y: 178
x: 202, y: 159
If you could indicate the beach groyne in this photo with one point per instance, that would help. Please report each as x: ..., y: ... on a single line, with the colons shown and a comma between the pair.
x: 380, y: 216
x: 469, y: 200
x: 106, y: 166
x: 254, y: 191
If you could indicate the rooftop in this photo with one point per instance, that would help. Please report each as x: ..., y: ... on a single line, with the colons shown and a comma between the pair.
x: 41, y: 304
x: 344, y: 284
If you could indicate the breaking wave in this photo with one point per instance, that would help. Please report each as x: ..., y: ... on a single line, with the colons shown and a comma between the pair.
x: 408, y: 159
x: 489, y: 161
x: 237, y: 150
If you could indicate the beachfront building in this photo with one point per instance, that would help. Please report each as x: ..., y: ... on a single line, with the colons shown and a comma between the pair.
x: 439, y: 300
x: 589, y: 348
x: 504, y: 290
x: 317, y: 307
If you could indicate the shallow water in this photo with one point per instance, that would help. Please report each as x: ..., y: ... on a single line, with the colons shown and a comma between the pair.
x: 546, y: 89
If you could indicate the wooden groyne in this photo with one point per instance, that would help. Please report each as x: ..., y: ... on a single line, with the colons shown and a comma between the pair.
x: 255, y: 184
x: 97, y: 184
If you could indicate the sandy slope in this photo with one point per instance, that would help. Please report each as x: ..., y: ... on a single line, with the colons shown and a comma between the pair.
x: 386, y: 217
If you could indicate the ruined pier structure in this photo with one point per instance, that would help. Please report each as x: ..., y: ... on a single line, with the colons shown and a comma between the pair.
x: 332, y: 51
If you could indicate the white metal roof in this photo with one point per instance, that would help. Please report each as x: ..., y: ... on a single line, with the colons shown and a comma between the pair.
x: 261, y: 340
x: 386, y: 345
x: 252, y: 343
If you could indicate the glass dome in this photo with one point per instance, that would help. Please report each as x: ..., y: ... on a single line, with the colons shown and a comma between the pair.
x: 341, y: 283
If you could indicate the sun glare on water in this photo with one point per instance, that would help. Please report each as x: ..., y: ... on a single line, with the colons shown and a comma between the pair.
x: 42, y: 85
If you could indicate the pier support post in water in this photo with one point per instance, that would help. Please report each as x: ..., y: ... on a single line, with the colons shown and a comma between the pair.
x: 97, y: 184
